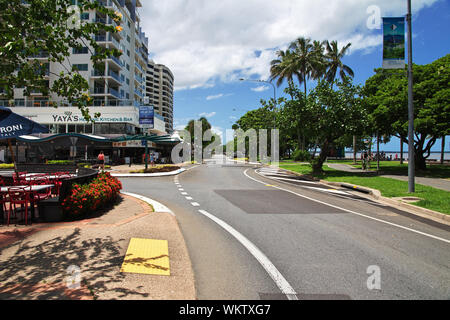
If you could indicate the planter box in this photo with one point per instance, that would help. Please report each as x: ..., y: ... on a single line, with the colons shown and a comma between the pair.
x: 50, y: 210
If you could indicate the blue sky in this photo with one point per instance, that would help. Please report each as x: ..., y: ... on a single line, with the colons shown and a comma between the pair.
x: 209, y: 45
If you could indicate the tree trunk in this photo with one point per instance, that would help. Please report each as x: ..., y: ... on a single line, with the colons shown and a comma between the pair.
x: 354, y: 149
x: 378, y: 153
x: 401, y: 150
x: 443, y: 150
x: 421, y: 163
x: 317, y: 165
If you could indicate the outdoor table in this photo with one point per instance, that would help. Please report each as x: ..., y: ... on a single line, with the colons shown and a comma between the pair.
x: 32, y: 177
x: 32, y: 189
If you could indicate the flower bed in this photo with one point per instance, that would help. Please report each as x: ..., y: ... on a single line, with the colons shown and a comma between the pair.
x: 157, y: 169
x: 86, y: 199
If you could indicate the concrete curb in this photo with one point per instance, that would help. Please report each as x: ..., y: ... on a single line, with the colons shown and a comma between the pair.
x: 145, y: 175
x: 376, y: 195
x: 157, y: 206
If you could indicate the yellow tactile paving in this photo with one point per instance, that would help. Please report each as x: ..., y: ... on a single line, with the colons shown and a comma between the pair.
x: 147, y: 256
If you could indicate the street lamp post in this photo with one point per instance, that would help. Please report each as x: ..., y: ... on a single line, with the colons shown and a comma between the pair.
x: 411, y: 160
x: 274, y: 97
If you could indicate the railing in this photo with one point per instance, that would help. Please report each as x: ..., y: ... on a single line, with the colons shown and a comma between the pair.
x: 65, y: 104
x: 114, y: 92
x: 116, y: 60
x: 139, y: 67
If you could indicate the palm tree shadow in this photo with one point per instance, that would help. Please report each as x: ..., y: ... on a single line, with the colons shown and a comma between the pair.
x: 99, y: 261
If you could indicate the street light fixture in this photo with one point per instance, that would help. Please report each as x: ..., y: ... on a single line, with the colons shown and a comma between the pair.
x: 274, y: 97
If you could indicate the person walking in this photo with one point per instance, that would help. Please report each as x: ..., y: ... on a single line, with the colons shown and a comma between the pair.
x: 101, y: 160
x: 152, y: 159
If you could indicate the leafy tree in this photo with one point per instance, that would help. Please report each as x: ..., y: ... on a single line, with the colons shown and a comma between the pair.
x: 336, y: 113
x: 386, y: 99
x: 50, y: 27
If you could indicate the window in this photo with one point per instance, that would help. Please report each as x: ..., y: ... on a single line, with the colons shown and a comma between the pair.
x: 128, y: 67
x: 128, y: 81
x: 81, y: 67
x: 128, y: 39
x: 83, y: 50
x: 85, y: 16
x: 128, y: 52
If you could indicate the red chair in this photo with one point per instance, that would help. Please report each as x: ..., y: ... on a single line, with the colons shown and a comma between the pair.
x: 20, y: 179
x: 18, y: 196
x: 60, y: 176
x: 42, y: 195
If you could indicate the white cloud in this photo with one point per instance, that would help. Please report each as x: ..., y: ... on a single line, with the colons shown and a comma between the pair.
x: 260, y: 89
x: 206, y: 41
x: 217, y: 96
x: 207, y: 115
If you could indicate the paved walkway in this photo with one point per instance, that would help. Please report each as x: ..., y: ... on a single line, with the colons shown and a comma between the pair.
x: 35, y: 261
x: 437, y: 183
x: 345, y: 167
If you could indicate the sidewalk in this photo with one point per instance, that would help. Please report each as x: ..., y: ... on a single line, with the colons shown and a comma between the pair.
x: 34, y: 260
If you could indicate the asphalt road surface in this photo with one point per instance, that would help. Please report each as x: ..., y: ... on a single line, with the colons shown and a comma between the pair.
x: 260, y: 233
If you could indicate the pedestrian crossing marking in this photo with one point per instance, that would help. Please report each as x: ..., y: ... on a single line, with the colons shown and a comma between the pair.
x: 147, y: 256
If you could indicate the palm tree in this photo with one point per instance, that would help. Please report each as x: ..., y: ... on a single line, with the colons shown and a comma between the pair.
x: 283, y: 68
x: 334, y: 58
x: 304, y: 60
x: 320, y: 63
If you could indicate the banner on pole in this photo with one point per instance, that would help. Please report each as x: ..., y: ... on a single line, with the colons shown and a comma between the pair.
x: 394, y: 43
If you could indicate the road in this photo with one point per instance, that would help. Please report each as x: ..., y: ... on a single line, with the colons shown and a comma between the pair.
x: 257, y: 233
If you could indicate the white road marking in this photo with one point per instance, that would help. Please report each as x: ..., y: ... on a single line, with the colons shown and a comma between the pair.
x: 185, y: 193
x: 189, y: 198
x: 350, y: 211
x: 158, y: 207
x: 181, y: 189
x: 293, y: 179
x: 273, y: 272
x: 328, y: 190
x: 195, y: 204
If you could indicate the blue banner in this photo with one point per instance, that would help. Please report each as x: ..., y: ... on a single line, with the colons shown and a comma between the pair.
x: 394, y: 43
x: 147, y: 116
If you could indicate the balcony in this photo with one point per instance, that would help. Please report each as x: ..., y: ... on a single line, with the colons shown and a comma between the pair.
x: 103, y: 39
x: 138, y: 66
x: 115, y: 61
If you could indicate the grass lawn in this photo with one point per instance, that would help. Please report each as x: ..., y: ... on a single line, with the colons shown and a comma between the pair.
x: 395, y: 168
x: 433, y: 199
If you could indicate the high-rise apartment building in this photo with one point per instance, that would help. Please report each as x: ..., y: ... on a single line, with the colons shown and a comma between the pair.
x: 160, y: 81
x: 117, y: 90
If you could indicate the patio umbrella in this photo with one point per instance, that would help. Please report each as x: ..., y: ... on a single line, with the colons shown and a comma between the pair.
x: 13, y: 126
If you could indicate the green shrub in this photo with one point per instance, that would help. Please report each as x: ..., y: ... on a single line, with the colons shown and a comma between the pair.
x: 301, y: 155
x: 62, y: 162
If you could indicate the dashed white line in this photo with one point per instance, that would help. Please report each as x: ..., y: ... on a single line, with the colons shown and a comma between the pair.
x: 195, y: 204
x: 189, y: 198
x: 184, y: 193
